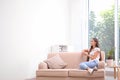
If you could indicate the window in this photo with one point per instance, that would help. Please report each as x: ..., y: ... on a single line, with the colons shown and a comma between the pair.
x: 101, y: 23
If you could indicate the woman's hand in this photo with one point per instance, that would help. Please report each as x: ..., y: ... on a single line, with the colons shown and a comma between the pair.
x: 85, y: 53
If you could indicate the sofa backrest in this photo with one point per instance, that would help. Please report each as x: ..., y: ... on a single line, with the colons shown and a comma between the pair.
x: 102, y: 56
x: 73, y: 59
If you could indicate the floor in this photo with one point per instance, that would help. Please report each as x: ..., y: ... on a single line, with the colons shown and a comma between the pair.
x: 109, y: 74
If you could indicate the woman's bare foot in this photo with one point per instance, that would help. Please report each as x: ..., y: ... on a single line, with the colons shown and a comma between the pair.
x: 90, y: 71
x: 95, y: 69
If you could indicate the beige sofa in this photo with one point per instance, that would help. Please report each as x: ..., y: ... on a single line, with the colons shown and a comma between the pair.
x: 71, y: 71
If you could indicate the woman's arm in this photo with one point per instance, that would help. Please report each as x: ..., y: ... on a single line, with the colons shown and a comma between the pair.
x: 93, y: 56
x: 85, y: 50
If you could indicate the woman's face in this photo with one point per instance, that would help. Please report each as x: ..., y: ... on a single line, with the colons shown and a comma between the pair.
x: 93, y: 43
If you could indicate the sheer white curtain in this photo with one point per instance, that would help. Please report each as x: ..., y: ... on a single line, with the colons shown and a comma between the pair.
x: 79, y: 24
x: 116, y: 31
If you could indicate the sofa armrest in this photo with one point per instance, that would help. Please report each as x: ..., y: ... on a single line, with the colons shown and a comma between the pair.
x: 101, y: 65
x: 42, y: 65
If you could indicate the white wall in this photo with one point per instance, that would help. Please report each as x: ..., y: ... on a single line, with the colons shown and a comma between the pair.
x: 27, y: 29
x: 79, y: 24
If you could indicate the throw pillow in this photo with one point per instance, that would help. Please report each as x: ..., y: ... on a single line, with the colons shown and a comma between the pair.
x: 56, y: 62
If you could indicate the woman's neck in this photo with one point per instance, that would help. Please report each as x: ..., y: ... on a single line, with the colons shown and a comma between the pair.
x: 94, y: 47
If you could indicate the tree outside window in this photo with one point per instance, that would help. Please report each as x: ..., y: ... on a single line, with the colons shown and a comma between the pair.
x: 101, y: 25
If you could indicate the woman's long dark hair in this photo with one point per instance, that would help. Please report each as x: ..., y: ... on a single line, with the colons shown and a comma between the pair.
x: 97, y: 45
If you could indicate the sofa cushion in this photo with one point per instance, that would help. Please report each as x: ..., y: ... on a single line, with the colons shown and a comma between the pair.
x: 85, y: 73
x: 52, y: 73
x: 56, y: 62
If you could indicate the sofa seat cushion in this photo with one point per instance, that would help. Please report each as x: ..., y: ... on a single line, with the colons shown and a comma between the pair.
x: 52, y: 73
x: 85, y: 73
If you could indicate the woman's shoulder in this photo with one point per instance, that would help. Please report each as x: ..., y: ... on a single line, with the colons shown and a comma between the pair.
x: 97, y: 49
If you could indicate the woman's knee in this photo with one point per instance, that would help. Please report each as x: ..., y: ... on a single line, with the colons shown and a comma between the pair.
x: 82, y: 66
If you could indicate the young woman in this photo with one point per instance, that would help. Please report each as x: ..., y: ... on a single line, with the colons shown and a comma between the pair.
x: 93, y: 56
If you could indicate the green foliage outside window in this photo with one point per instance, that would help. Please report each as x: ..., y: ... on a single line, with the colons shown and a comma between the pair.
x: 103, y: 29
